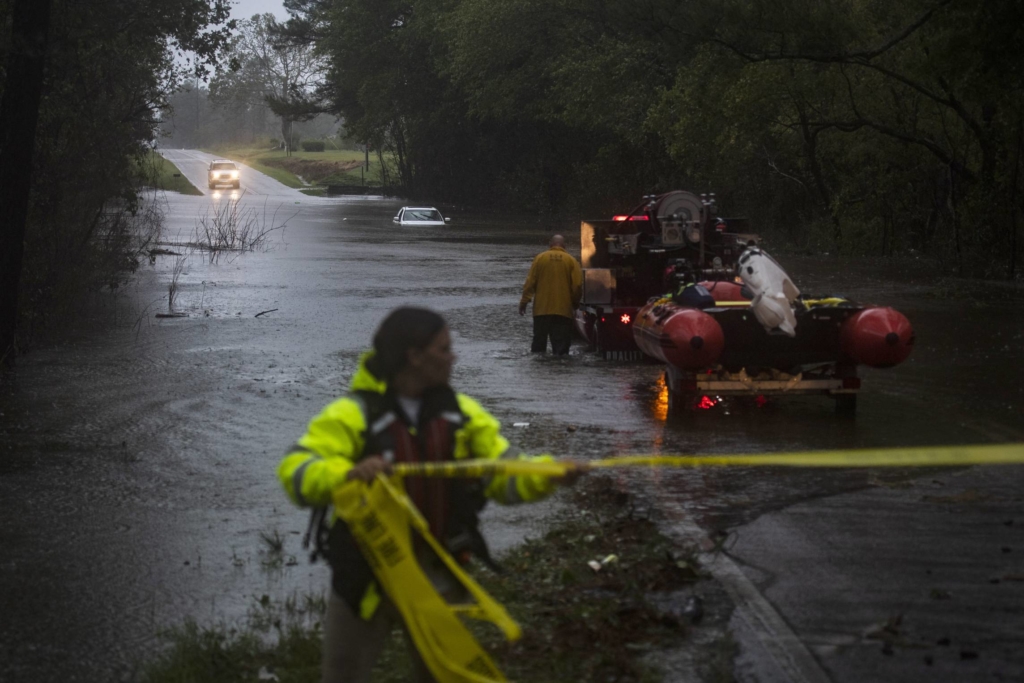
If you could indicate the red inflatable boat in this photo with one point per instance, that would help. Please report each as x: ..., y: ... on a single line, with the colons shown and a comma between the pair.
x: 733, y: 323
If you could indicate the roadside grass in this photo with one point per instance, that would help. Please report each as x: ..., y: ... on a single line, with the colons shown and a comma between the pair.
x: 578, y: 624
x: 332, y: 166
x: 229, y: 655
x: 252, y: 158
x: 163, y: 175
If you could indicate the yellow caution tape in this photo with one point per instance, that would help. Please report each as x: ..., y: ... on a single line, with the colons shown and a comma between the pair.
x: 828, y: 301
x: 924, y: 456
x: 481, y: 468
x: 382, y: 519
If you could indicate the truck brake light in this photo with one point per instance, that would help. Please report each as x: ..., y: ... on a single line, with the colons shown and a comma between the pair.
x: 707, y: 403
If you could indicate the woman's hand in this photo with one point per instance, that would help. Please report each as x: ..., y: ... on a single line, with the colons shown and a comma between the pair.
x: 368, y: 468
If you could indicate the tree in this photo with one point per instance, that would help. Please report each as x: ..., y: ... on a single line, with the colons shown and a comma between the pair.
x: 266, y: 71
x: 922, y: 80
x: 852, y: 125
x: 19, y: 114
x: 93, y: 93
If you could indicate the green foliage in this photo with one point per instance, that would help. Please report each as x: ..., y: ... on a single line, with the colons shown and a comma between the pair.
x: 108, y: 67
x: 313, y: 145
x: 893, y: 122
x: 328, y: 167
x: 163, y: 175
x: 281, y: 638
x: 854, y: 126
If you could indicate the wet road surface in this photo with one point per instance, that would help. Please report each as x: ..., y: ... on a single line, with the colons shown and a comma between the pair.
x: 194, y: 165
x: 137, y: 460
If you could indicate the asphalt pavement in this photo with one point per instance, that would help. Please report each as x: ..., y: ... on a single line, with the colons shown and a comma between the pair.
x: 194, y: 165
x: 921, y: 580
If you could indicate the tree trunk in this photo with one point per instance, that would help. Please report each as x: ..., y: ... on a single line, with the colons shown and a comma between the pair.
x: 286, y: 134
x: 1013, y: 201
x: 810, y: 140
x: 955, y: 215
x: 19, y: 114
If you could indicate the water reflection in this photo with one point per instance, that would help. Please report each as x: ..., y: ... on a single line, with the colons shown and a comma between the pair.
x: 232, y: 195
x: 659, y: 407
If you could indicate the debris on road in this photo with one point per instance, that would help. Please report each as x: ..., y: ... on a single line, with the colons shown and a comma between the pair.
x: 693, y: 610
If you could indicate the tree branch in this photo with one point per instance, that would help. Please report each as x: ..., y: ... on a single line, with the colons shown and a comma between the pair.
x: 860, y: 56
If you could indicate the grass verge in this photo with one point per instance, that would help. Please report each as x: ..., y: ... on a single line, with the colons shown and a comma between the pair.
x: 163, y: 175
x: 338, y: 166
x: 578, y: 624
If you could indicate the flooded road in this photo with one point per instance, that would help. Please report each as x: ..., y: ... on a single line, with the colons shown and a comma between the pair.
x: 137, y: 461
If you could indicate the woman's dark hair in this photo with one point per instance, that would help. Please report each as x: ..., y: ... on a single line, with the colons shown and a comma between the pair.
x: 404, y: 328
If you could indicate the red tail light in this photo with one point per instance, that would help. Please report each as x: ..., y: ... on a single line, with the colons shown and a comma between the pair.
x: 636, y: 217
x: 625, y: 318
x: 706, y: 403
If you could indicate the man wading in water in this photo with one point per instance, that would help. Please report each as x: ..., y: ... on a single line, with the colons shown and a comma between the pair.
x: 399, y: 409
x: 557, y: 281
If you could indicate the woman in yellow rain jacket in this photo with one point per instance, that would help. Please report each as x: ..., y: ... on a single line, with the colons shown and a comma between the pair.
x: 399, y: 409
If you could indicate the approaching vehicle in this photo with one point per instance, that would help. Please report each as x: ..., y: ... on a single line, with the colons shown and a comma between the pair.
x: 670, y: 280
x: 414, y: 216
x: 223, y: 172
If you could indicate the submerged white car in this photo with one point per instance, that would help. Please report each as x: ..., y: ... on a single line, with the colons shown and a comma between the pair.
x: 414, y: 216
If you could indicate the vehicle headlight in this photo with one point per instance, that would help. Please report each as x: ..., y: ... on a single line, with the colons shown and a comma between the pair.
x: 234, y: 174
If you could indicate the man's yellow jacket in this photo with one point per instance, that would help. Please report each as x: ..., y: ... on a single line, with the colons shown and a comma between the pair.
x: 557, y: 282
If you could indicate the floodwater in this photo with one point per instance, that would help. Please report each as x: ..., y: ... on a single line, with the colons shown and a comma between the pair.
x: 137, y: 458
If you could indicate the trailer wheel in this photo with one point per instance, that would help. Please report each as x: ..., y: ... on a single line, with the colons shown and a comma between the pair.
x: 676, y: 400
x: 601, y: 351
x: 846, y: 405
x: 674, y: 409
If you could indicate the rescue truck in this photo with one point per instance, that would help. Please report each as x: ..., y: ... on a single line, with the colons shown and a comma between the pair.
x: 673, y: 281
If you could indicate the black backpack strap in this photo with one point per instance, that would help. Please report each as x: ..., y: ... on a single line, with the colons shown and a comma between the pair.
x: 372, y: 405
x: 316, y: 531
